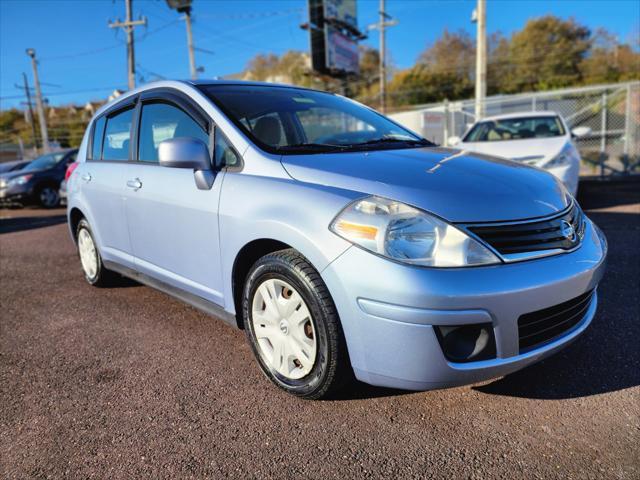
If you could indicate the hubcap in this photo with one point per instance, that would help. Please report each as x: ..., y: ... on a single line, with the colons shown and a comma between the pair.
x: 284, y: 329
x: 88, y: 253
x: 48, y: 197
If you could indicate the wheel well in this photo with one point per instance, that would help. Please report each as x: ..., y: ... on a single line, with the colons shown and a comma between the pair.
x: 74, y: 219
x: 245, y: 259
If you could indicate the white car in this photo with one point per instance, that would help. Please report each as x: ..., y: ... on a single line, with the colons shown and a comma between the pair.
x: 541, y: 139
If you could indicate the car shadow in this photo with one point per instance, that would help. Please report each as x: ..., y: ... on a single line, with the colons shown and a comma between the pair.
x: 356, y: 390
x: 124, y: 282
x: 19, y: 224
x: 615, y: 192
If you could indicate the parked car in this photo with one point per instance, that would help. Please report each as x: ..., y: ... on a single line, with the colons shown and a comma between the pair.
x: 541, y: 139
x: 38, y: 182
x: 338, y: 240
x: 13, y: 166
x: 62, y: 191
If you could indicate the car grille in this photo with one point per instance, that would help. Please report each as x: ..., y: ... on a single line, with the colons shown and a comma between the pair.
x: 561, y: 232
x: 537, y: 328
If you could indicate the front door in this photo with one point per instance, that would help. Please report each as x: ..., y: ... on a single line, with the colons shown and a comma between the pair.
x: 173, y: 225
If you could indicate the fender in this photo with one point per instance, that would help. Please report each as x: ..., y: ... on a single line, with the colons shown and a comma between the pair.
x: 249, y: 206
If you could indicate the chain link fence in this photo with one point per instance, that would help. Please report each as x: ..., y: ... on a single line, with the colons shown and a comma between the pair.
x: 612, y: 112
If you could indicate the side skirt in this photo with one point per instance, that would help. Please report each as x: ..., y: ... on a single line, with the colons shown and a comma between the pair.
x: 189, y: 298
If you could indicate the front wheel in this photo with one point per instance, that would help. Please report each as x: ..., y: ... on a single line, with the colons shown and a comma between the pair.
x: 293, y: 326
x: 94, y: 270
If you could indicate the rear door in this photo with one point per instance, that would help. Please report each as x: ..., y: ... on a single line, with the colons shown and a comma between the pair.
x: 102, y: 182
x: 173, y: 225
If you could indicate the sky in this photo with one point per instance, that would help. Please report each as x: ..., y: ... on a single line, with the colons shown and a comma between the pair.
x: 82, y: 59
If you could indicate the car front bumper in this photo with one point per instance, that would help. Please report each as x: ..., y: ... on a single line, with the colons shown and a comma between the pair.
x: 388, y: 311
x: 16, y: 194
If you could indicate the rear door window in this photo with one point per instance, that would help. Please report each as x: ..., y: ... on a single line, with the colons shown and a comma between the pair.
x: 117, y: 136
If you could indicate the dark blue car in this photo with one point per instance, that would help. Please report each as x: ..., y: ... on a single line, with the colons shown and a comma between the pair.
x: 38, y: 182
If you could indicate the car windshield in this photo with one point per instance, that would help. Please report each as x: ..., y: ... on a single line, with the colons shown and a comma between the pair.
x: 44, y: 162
x: 289, y: 120
x: 515, y: 129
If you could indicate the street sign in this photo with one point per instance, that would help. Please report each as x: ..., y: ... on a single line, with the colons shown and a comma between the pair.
x: 334, y: 34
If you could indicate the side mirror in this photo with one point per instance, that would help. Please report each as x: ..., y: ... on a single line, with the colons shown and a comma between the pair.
x: 453, y: 140
x: 188, y: 152
x: 580, y: 132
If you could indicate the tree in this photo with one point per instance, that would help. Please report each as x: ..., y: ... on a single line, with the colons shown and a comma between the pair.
x: 366, y: 88
x: 294, y: 67
x: 452, y: 53
x: 609, y: 61
x: 545, y: 54
x: 262, y: 66
x: 444, y: 70
x: 419, y: 84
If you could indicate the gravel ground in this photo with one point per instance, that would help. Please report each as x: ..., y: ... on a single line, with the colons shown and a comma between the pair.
x: 127, y: 382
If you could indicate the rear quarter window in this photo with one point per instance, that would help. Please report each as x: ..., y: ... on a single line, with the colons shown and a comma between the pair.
x: 96, y: 141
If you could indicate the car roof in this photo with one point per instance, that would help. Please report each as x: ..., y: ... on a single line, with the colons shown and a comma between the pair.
x: 192, y: 83
x: 544, y: 113
x: 201, y: 82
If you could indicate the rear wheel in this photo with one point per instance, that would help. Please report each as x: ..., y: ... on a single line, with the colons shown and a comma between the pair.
x: 94, y: 270
x: 293, y: 327
x: 48, y: 197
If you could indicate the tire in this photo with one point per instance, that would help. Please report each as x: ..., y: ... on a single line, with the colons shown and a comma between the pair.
x: 95, y: 273
x: 308, y: 376
x: 48, y: 197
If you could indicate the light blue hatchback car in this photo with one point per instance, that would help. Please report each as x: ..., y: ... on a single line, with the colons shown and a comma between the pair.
x: 342, y: 243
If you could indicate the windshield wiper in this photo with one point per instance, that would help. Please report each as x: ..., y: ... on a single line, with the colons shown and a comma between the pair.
x: 383, y: 140
x: 320, y: 147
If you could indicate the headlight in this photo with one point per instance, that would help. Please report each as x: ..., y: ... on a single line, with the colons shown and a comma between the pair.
x: 562, y: 159
x: 21, y: 180
x: 405, y: 234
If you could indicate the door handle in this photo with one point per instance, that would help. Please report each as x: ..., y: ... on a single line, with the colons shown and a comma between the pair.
x: 86, y: 177
x: 136, y: 184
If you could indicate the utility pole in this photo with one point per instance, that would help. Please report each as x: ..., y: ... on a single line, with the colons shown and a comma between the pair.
x: 192, y: 57
x: 184, y: 6
x: 39, y: 104
x: 383, y: 63
x: 385, y: 21
x: 481, y: 58
x: 128, y: 25
x: 27, y: 93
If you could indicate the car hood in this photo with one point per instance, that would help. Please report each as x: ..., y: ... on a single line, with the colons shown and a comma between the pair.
x: 456, y: 185
x: 535, y: 151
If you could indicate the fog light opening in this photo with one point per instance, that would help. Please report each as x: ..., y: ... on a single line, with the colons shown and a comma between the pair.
x: 467, y: 343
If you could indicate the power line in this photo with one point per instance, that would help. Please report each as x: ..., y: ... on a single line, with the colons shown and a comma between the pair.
x: 243, y: 16
x: 68, y: 92
x: 81, y: 54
